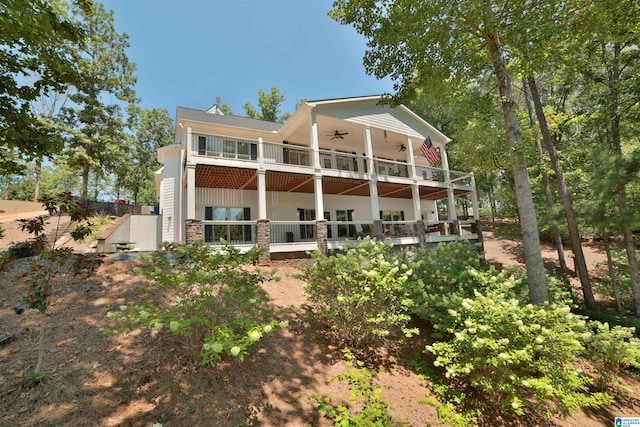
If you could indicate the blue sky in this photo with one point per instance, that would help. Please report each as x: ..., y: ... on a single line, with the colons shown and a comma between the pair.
x: 188, y: 52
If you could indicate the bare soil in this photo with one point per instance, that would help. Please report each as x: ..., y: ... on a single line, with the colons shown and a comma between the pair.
x: 138, y: 379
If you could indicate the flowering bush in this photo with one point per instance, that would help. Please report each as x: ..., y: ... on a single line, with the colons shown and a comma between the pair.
x: 212, y: 298
x: 360, y: 296
x: 514, y: 355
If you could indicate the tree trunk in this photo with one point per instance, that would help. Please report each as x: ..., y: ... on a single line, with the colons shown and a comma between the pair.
x: 629, y: 241
x: 630, y: 247
x: 85, y: 181
x: 557, y: 238
x: 526, y: 209
x: 565, y: 197
x: 43, y: 323
x: 612, y: 271
x: 36, y: 192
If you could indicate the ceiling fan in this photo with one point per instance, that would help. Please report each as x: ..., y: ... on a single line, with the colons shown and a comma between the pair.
x: 338, y: 135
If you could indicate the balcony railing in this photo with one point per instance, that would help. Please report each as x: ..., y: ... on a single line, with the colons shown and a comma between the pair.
x: 289, y: 154
x: 286, y: 154
x: 292, y: 231
x: 391, y: 168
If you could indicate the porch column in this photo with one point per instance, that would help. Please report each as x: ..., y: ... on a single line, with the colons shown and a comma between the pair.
x: 263, y: 241
x: 262, y: 194
x: 451, y: 201
x: 420, y: 231
x: 193, y: 231
x: 377, y: 232
x: 474, y: 198
x: 315, y: 146
x: 321, y: 235
x: 189, y: 144
x: 415, y: 196
x: 373, y: 181
x: 191, y: 191
x: 411, y: 159
x: 317, y: 192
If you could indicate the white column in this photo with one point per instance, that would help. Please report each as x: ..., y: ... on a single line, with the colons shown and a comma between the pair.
x: 474, y: 198
x: 315, y: 146
x: 451, y: 201
x: 411, y: 159
x: 373, y: 181
x: 317, y: 190
x: 415, y: 195
x: 189, y: 143
x: 260, y: 153
x: 191, y: 191
x: 262, y: 194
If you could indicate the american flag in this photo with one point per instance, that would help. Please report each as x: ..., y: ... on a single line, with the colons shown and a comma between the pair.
x: 429, y: 151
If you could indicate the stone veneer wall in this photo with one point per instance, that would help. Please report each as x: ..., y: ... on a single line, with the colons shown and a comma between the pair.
x: 263, y: 240
x: 377, y: 230
x: 321, y: 235
x: 193, y: 230
x: 420, y: 230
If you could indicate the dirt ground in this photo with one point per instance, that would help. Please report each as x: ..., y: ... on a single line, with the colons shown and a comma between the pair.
x: 142, y: 378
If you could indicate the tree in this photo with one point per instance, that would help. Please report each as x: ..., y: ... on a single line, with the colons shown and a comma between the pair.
x: 150, y: 130
x: 36, y: 57
x: 269, y: 104
x: 414, y: 41
x: 95, y: 129
x: 608, y: 37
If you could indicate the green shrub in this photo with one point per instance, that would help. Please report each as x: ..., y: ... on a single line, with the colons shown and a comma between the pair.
x: 612, y: 351
x: 362, y: 385
x: 514, y: 356
x: 1, y: 231
x: 210, y: 297
x: 360, y: 296
x: 494, y: 350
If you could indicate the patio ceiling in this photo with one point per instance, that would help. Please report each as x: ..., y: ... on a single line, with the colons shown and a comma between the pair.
x: 246, y: 179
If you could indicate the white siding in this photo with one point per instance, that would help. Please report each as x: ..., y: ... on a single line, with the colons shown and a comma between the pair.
x: 167, y: 204
x: 377, y: 116
x: 284, y: 206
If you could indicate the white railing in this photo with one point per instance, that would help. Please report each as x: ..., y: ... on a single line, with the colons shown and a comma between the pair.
x: 394, y: 229
x: 460, y: 178
x: 224, y: 147
x: 233, y: 232
x: 287, y: 154
x: 430, y: 174
x: 391, y: 168
x: 342, y: 161
x: 348, y: 230
x: 292, y: 231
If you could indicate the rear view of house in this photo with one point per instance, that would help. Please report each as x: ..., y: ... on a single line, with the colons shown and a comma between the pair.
x: 337, y: 170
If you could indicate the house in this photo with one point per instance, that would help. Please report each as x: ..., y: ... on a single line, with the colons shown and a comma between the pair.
x: 337, y: 170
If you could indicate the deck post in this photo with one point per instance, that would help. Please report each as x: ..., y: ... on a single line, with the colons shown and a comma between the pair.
x: 193, y: 230
x: 420, y: 231
x: 263, y: 240
x: 377, y: 231
x: 321, y: 235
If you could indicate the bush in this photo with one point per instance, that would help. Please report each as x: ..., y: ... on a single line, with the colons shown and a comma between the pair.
x: 210, y: 297
x: 514, y: 356
x: 360, y: 296
x: 612, y: 351
x: 495, y: 351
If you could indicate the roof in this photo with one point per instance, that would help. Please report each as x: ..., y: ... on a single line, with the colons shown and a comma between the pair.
x: 227, y: 120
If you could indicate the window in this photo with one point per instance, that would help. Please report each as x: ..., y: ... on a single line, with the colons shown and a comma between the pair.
x: 229, y: 232
x: 216, y: 146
